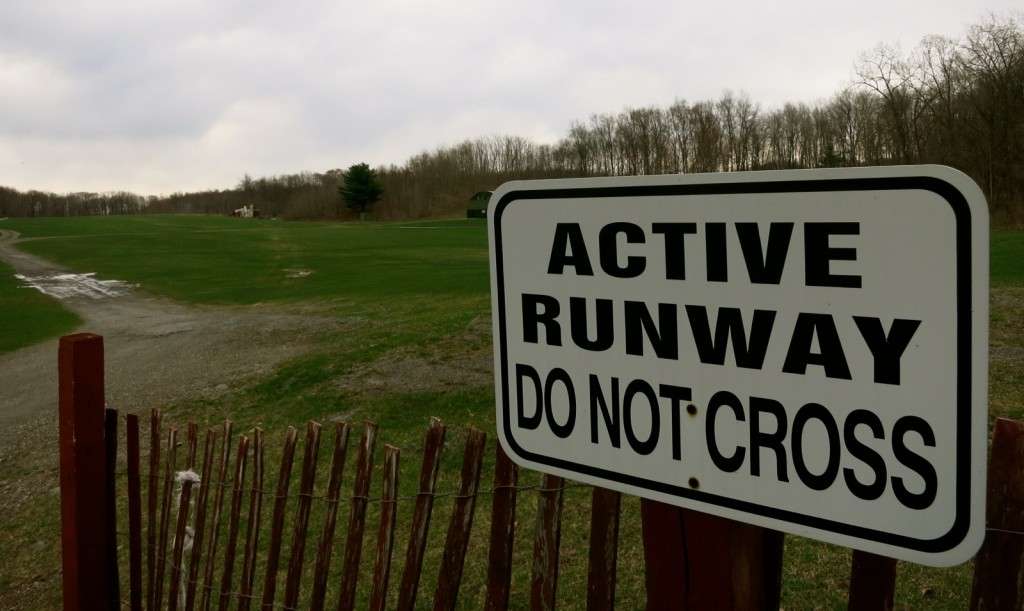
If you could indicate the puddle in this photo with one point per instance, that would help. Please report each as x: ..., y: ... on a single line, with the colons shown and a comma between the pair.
x: 65, y: 286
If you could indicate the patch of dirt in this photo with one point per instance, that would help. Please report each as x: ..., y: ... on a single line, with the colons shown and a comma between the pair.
x: 464, y: 361
x: 157, y: 351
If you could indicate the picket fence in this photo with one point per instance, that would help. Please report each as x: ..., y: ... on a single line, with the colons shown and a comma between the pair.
x: 201, y: 576
x: 197, y: 544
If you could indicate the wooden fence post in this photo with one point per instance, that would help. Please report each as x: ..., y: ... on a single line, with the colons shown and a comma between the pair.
x: 872, y: 582
x: 998, y: 566
x: 702, y: 562
x: 84, y: 536
x: 604, y: 548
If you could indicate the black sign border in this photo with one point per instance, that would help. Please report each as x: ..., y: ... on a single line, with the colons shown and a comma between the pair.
x: 964, y: 279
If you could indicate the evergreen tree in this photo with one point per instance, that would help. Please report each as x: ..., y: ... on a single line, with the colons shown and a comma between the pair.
x: 361, y: 188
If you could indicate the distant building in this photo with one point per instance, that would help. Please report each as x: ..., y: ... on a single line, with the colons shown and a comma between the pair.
x: 477, y: 208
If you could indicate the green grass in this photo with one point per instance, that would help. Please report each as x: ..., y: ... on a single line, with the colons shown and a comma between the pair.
x: 1006, y: 262
x: 219, y: 260
x: 433, y: 276
x: 416, y: 289
x: 29, y: 317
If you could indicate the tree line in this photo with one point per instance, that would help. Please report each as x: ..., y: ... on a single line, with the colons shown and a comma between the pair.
x: 952, y: 101
x: 42, y: 203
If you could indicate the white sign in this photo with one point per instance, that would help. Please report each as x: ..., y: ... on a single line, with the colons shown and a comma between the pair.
x: 801, y: 350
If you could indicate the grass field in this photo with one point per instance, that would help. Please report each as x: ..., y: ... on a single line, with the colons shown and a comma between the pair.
x: 420, y: 289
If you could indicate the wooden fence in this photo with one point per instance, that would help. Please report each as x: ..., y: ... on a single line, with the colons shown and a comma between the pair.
x: 198, y: 544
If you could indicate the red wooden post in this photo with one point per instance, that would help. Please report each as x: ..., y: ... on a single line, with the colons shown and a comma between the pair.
x: 703, y: 562
x: 84, y: 536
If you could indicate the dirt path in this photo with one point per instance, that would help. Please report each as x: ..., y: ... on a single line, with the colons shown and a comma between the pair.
x: 157, y: 352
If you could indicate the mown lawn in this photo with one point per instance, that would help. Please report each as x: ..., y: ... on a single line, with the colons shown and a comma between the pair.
x: 423, y: 289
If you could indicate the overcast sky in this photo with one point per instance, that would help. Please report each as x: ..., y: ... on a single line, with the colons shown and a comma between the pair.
x: 158, y: 96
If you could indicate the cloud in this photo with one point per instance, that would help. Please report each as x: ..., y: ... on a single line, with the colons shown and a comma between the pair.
x: 161, y: 96
x: 34, y: 90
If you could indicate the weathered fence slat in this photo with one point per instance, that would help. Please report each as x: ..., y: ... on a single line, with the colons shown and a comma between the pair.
x: 284, y: 480
x: 218, y: 505
x: 503, y: 518
x: 252, y: 531
x: 151, y: 507
x: 298, y: 551
x: 165, y: 516
x: 323, y: 554
x: 694, y: 560
x: 357, y: 518
x: 132, y: 455
x: 386, y: 532
x: 421, y: 516
x: 193, y: 444
x: 709, y: 562
x: 110, y: 441
x: 544, y: 581
x: 181, y: 537
x: 998, y: 568
x: 82, y: 456
x: 461, y: 523
x: 209, y: 447
x: 604, y: 548
x: 235, y: 515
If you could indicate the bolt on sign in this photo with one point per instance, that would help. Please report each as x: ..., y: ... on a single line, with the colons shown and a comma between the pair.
x: 801, y: 350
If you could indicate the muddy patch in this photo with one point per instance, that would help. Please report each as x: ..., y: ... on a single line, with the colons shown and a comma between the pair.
x: 66, y: 285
